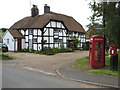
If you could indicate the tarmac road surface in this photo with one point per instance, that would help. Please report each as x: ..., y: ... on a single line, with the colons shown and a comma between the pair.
x: 16, y: 77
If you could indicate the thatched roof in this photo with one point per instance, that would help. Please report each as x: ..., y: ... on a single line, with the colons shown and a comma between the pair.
x: 40, y: 21
x: 16, y: 33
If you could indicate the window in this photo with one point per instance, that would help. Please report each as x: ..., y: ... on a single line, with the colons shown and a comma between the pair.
x: 30, y: 31
x: 56, y: 31
x: 53, y: 23
x: 60, y: 30
x: 34, y: 40
x: 60, y: 41
x: 59, y: 24
x: 70, y: 33
x: 56, y: 40
x: 7, y: 41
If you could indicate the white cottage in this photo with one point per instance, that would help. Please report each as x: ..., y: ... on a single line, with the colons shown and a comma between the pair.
x: 14, y: 40
x: 47, y: 30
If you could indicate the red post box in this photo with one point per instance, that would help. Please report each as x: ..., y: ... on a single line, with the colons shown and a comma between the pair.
x: 113, y: 57
x: 113, y: 49
x: 96, y: 51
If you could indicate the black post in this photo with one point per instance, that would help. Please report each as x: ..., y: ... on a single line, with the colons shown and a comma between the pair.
x: 114, y: 62
x: 104, y: 11
x: 104, y: 49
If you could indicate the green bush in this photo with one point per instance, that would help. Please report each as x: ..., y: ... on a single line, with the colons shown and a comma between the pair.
x: 24, y: 50
x: 78, y: 48
x: 37, y: 52
x: 52, y: 51
x: 31, y: 51
x: 86, y: 46
x: 49, y: 51
x: 55, y: 50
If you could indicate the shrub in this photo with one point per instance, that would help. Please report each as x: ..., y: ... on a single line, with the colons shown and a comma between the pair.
x: 37, y: 52
x: 52, y: 51
x: 55, y: 50
x: 49, y: 51
x: 68, y: 50
x: 78, y: 48
x: 45, y: 49
x: 85, y: 46
x: 31, y: 51
x: 24, y: 50
x: 76, y: 41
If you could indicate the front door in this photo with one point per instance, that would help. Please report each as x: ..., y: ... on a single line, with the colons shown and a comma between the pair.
x: 19, y: 45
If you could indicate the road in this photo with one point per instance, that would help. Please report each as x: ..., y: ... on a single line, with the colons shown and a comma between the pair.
x: 48, y: 63
x: 16, y: 77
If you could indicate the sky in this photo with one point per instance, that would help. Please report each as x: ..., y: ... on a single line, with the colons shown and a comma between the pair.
x: 13, y: 10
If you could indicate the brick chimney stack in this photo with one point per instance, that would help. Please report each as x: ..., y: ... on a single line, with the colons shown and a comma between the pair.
x: 46, y: 9
x: 34, y: 11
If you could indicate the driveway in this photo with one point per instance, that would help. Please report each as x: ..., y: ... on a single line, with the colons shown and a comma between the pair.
x: 44, y: 62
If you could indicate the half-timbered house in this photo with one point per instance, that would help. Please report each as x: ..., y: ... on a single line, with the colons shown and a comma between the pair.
x: 47, y: 30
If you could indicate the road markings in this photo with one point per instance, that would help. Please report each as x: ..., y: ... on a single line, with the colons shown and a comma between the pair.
x: 37, y: 70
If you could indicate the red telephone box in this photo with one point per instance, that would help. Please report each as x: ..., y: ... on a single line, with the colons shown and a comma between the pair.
x: 96, y: 51
x: 113, y: 49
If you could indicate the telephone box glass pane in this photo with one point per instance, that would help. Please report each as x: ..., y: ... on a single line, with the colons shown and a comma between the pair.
x: 98, y: 52
x: 90, y: 51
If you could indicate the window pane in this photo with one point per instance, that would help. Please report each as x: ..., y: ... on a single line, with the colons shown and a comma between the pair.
x: 30, y: 31
x: 35, y: 40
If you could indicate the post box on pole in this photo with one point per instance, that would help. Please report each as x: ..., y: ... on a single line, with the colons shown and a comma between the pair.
x: 113, y: 57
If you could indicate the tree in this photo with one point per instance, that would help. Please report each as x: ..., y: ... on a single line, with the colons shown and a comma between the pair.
x: 107, y: 14
x: 4, y: 29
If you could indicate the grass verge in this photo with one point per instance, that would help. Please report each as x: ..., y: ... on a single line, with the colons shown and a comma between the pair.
x: 6, y: 57
x: 83, y: 64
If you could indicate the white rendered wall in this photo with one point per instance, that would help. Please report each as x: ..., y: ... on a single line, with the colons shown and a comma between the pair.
x: 16, y: 45
x: 22, y: 31
x: 23, y: 43
x: 11, y: 41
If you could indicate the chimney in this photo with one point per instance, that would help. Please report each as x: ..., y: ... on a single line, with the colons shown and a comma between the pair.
x: 34, y: 11
x: 46, y: 9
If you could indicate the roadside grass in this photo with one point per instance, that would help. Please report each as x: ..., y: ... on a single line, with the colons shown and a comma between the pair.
x: 5, y: 56
x: 83, y: 64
